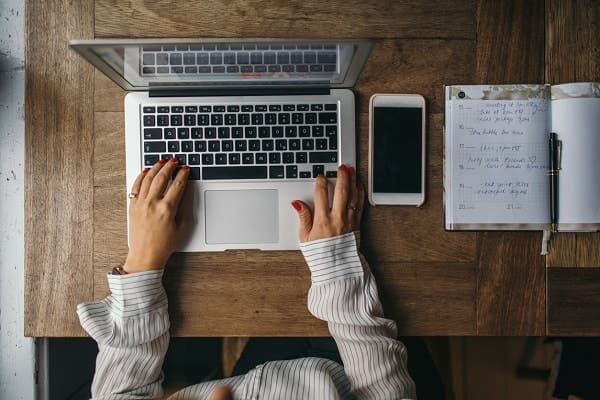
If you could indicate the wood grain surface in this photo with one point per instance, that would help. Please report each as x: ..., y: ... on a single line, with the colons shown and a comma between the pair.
x: 573, y: 55
x: 296, y: 18
x: 431, y: 281
x: 573, y: 301
x: 510, y: 272
x: 59, y: 90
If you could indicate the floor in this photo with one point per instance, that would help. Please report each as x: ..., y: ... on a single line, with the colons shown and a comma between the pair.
x: 17, y: 366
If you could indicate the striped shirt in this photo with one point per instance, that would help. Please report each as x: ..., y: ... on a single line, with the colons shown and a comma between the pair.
x: 131, y: 327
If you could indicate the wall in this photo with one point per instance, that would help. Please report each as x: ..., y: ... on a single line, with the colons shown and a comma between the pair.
x: 17, y: 364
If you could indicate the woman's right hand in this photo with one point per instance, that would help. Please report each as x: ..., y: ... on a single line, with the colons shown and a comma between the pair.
x: 345, y: 214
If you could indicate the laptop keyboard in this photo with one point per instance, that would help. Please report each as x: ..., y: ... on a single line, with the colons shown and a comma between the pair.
x: 238, y: 59
x: 244, y: 141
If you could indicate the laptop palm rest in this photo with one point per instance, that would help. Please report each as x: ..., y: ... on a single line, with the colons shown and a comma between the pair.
x: 241, y: 216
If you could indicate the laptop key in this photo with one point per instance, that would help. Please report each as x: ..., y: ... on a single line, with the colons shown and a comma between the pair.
x: 227, y: 145
x: 274, y: 158
x: 149, y: 120
x: 301, y: 158
x: 210, y: 133
x: 196, y: 133
x: 200, y: 146
x: 291, y: 171
x: 187, y: 146
x: 291, y: 131
x: 318, y: 170
x: 322, y: 144
x: 323, y: 157
x: 150, y: 159
x: 175, y: 59
x: 183, y: 133
x: 162, y: 120
x: 327, y: 118
x: 294, y: 144
x: 149, y: 109
x: 189, y: 119
x: 234, y: 158
x: 194, y: 159
x: 234, y: 172
x: 155, y: 147
x: 194, y: 173
x: 152, y: 133
x: 305, y: 174
x: 207, y: 159
x: 181, y: 158
x: 170, y: 133
x: 237, y: 132
x: 176, y: 120
x: 221, y: 159
x: 250, y: 132
x: 254, y: 145
x: 261, y: 158
x: 173, y: 146
x: 276, y: 172
x: 247, y: 158
x: 287, y: 158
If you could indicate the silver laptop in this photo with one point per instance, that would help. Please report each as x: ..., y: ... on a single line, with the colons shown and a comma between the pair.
x: 255, y: 119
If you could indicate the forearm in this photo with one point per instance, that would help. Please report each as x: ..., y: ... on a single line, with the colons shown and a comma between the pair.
x: 132, y: 330
x: 344, y: 294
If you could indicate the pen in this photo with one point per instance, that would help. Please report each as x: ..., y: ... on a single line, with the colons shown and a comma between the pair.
x: 554, y: 146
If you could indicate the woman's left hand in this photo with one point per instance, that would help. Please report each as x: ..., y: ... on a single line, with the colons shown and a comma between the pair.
x: 156, y: 223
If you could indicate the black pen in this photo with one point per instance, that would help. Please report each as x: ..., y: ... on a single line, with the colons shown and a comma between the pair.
x: 555, y: 150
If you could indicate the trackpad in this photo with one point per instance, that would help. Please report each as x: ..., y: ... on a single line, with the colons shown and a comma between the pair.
x: 241, y: 216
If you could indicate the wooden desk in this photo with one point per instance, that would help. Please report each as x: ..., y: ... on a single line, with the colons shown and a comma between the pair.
x: 432, y: 282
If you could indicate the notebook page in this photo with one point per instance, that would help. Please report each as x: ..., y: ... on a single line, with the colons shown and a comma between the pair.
x: 497, y: 156
x: 576, y: 121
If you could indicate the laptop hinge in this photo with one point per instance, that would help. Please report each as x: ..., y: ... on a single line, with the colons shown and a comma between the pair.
x: 238, y: 91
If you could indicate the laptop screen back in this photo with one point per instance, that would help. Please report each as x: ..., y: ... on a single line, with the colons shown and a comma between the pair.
x: 213, y: 63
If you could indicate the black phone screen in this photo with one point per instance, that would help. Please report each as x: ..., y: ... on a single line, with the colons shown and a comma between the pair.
x: 397, y: 149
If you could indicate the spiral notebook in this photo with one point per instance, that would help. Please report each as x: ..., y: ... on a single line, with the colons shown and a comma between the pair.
x: 496, y: 156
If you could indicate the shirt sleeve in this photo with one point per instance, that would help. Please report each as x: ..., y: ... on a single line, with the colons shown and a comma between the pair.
x: 344, y: 294
x: 131, y: 327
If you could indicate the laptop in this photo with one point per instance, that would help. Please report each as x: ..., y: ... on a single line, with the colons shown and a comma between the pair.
x: 256, y: 120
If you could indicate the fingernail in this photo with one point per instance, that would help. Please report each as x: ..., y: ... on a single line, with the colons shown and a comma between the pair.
x: 297, y: 205
x: 185, y: 168
x: 343, y: 167
x: 351, y: 171
x: 174, y: 159
x: 145, y: 170
x: 162, y: 161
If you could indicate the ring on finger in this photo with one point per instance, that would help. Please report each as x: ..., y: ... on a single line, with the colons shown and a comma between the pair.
x: 351, y: 208
x: 132, y: 195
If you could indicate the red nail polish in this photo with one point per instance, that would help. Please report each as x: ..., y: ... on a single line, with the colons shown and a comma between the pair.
x: 297, y: 205
x: 174, y: 159
x: 185, y: 168
x: 162, y: 161
x: 145, y: 170
x: 351, y: 171
x: 342, y: 167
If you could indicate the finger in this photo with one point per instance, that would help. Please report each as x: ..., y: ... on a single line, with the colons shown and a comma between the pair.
x: 221, y: 393
x: 148, y: 177
x: 305, y: 219
x: 351, y: 207
x: 161, y: 179
x: 137, y: 184
x: 360, y: 206
x: 175, y: 191
x: 185, y: 213
x: 340, y: 194
x: 321, y: 196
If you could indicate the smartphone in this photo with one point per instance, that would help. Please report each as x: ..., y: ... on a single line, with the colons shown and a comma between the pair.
x: 397, y: 149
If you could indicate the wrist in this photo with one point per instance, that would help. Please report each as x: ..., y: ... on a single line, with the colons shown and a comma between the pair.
x: 135, y: 264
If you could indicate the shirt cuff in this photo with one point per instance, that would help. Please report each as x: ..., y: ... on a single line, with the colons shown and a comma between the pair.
x: 136, y: 311
x: 333, y: 258
x: 137, y: 293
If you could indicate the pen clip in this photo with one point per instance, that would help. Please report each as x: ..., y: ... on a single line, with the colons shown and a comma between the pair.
x: 558, y: 155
